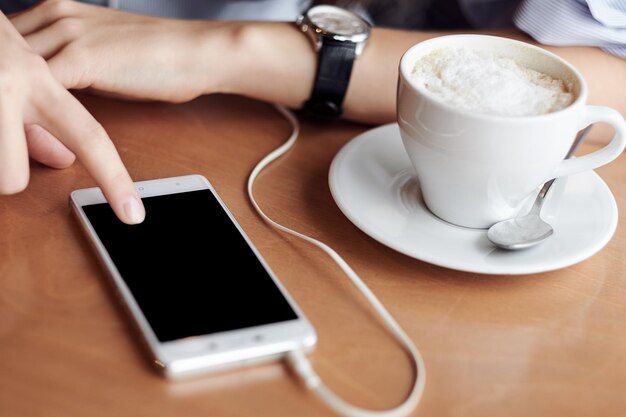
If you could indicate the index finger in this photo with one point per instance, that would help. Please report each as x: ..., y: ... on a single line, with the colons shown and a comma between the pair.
x: 73, y: 125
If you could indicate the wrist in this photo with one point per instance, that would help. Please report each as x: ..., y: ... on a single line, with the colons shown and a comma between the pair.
x: 215, y: 56
x: 269, y: 61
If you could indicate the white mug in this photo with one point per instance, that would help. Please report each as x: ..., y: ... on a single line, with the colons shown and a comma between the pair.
x: 477, y: 169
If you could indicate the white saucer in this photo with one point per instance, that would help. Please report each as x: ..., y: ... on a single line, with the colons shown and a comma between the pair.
x: 373, y: 183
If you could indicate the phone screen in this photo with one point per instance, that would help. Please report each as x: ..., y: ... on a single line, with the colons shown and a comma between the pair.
x: 178, y: 266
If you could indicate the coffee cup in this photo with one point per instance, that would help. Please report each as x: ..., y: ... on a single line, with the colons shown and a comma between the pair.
x: 476, y: 168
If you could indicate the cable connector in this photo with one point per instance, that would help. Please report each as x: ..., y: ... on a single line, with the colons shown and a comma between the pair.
x: 301, y: 365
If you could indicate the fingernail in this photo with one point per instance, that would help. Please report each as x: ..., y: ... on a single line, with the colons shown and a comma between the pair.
x: 134, y: 210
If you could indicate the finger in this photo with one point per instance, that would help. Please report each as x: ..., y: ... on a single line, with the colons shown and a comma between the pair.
x: 51, y: 39
x: 69, y: 121
x: 14, y: 169
x: 43, y: 147
x: 42, y: 15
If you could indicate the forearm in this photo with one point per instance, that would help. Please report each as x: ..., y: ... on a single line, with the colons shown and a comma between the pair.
x: 275, y: 62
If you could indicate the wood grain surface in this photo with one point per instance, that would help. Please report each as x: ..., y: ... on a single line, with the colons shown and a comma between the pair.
x: 552, y: 344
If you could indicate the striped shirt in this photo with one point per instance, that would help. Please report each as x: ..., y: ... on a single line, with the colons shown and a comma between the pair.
x: 600, y: 23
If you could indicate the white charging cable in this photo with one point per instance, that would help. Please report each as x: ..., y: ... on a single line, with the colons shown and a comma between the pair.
x: 297, y: 358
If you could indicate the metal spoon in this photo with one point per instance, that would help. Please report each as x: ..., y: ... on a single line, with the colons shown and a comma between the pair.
x: 525, y: 231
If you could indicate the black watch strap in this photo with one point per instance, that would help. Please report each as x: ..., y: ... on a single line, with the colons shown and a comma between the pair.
x: 331, y: 82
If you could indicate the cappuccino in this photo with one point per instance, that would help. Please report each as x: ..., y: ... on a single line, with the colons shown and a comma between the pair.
x: 484, y: 82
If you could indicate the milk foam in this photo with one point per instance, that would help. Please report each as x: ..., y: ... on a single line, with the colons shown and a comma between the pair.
x: 484, y: 82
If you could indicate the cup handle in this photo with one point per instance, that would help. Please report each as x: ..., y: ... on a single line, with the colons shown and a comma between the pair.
x: 602, y: 156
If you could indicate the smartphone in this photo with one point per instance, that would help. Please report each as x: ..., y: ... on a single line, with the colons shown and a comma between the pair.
x: 197, y: 289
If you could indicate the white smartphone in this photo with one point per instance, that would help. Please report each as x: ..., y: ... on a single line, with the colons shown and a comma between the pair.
x: 199, y: 292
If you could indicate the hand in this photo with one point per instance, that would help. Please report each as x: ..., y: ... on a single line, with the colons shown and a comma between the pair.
x: 126, y: 54
x: 40, y: 118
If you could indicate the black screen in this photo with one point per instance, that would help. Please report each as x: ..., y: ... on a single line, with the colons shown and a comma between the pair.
x: 176, y: 265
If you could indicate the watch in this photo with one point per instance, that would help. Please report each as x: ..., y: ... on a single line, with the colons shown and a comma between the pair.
x: 339, y: 36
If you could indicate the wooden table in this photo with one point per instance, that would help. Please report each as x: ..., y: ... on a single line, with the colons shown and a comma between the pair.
x: 552, y: 344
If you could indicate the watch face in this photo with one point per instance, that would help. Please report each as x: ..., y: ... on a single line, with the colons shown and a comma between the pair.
x: 337, y: 21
